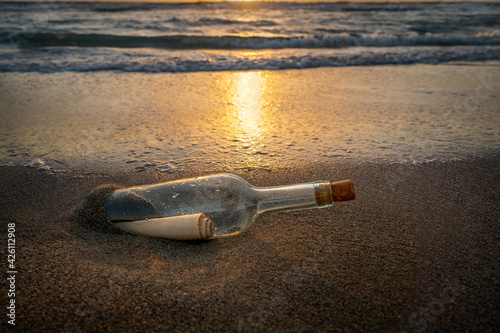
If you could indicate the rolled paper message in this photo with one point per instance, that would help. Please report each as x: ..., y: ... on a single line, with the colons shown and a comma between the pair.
x: 182, y: 227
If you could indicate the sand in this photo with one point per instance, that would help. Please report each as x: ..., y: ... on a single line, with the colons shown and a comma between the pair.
x: 99, y: 120
x: 417, y: 251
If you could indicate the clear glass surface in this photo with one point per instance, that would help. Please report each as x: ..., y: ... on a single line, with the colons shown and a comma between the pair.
x: 228, y: 200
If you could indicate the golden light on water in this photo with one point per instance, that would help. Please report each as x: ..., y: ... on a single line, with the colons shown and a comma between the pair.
x: 247, y: 97
x: 247, y: 124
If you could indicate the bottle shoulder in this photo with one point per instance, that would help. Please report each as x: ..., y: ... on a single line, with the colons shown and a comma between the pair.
x: 223, y: 176
x: 226, y: 180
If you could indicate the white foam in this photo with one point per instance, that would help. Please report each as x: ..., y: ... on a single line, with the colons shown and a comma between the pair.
x: 37, y: 164
x: 153, y: 61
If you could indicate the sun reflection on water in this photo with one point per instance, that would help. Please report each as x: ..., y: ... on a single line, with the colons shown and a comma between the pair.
x: 248, y: 99
x: 249, y: 126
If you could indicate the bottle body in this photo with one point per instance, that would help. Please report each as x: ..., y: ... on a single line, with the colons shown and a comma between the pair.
x: 228, y: 200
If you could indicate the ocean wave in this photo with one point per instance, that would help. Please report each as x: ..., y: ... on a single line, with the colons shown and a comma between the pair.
x: 211, y: 21
x: 35, y: 40
x: 318, y: 6
x: 39, y: 6
x: 371, y: 7
x: 73, y: 59
x: 399, y: 6
x: 52, y: 6
x: 110, y: 7
x: 204, y: 21
x: 122, y: 7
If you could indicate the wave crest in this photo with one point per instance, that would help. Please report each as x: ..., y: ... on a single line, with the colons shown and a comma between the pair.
x: 238, y: 42
x: 75, y: 59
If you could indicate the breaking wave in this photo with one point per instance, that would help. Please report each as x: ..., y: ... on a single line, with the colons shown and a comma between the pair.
x: 150, y: 60
x: 34, y: 40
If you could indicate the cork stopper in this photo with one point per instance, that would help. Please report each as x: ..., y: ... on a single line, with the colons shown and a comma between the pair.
x: 343, y: 190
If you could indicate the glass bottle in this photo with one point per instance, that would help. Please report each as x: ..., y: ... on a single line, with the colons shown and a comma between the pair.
x: 227, y: 200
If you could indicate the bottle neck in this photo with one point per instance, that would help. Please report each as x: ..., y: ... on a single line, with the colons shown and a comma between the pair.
x: 293, y: 197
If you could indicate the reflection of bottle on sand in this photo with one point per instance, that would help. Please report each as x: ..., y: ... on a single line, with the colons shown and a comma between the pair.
x: 190, y: 208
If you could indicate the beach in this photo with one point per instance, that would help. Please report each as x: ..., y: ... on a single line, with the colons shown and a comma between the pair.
x: 416, y: 254
x: 417, y: 250
x: 227, y: 120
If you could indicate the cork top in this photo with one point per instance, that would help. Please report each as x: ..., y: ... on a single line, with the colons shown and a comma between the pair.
x: 343, y: 190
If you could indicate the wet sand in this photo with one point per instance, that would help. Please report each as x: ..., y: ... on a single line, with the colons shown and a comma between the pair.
x: 167, y: 121
x: 417, y: 251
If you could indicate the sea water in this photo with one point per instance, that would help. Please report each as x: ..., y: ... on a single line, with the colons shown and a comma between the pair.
x: 266, y: 84
x: 208, y: 36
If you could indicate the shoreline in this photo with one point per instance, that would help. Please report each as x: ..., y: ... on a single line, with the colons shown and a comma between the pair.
x: 151, y: 171
x: 413, y: 113
x: 416, y: 251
